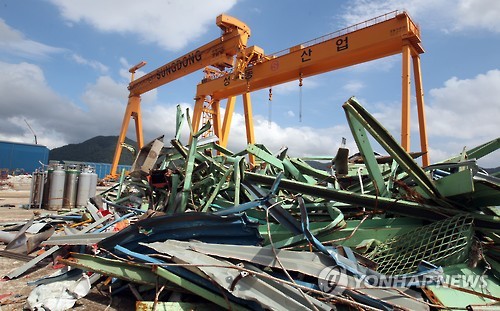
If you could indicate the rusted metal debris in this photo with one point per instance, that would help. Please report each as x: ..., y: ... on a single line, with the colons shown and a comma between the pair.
x: 196, y: 227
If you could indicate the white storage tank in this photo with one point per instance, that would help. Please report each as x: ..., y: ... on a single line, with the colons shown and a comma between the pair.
x: 46, y: 188
x: 93, y: 183
x: 84, y: 184
x: 57, y: 177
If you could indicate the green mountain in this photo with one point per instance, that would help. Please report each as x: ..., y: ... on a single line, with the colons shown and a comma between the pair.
x: 99, y: 149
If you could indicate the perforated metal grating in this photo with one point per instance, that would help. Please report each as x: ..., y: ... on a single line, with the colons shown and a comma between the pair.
x: 443, y: 242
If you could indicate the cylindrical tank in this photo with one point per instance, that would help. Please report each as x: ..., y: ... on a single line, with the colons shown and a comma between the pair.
x: 56, y: 190
x: 46, y: 186
x: 37, y: 183
x: 93, y: 183
x: 70, y: 187
x: 83, y: 192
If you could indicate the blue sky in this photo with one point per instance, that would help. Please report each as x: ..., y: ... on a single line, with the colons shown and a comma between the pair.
x: 64, y: 69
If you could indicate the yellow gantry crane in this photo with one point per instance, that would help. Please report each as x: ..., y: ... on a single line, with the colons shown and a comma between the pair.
x: 386, y: 35
x: 219, y: 54
x: 232, y: 69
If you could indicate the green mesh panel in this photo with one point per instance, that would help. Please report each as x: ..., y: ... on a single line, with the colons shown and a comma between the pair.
x: 442, y: 243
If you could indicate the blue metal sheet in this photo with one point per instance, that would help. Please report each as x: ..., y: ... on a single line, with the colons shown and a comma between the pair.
x: 23, y: 158
x: 238, y: 230
x: 188, y: 275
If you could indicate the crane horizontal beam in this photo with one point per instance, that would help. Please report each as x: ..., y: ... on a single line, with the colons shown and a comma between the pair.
x: 218, y: 53
x: 347, y: 49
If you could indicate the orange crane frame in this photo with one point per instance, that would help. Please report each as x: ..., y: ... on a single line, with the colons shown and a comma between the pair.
x: 376, y: 38
x: 219, y: 53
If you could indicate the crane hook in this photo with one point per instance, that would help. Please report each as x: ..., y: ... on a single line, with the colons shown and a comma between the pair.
x: 300, y: 97
x: 270, y: 110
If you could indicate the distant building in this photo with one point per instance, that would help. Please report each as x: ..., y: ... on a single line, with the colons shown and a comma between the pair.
x: 19, y: 158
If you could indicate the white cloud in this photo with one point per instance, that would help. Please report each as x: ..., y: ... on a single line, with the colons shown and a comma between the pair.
x: 160, y: 119
x: 106, y: 95
x: 466, y: 109
x: 149, y: 97
x: 106, y: 101
x: 293, y: 86
x: 20, y: 132
x: 353, y: 86
x: 464, y: 113
x: 454, y: 15
x: 482, y: 14
x: 57, y: 121
x: 124, y: 71
x: 170, y: 24
x: 377, y: 65
x: 301, y: 141
x: 27, y: 96
x: 91, y: 63
x: 14, y: 43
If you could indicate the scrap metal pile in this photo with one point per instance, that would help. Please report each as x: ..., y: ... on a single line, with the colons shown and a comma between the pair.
x: 195, y: 227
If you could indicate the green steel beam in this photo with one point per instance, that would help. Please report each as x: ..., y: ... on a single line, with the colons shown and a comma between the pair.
x: 484, y: 149
x: 265, y: 156
x: 217, y: 189
x: 144, y: 274
x: 173, y: 306
x: 295, y: 172
x: 237, y: 174
x: 127, y: 271
x: 198, y: 290
x: 305, y: 168
x: 173, y: 193
x: 479, y: 151
x: 469, y: 287
x: 382, y: 136
x: 363, y: 143
x: 216, y: 147
x: 179, y: 119
x: 397, y: 206
x: 188, y: 182
x: 457, y: 183
x: 183, y: 151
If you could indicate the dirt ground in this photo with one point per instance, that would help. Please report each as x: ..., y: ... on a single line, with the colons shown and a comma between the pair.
x: 13, y: 293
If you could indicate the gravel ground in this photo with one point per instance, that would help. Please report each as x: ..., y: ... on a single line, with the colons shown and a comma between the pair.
x: 13, y: 293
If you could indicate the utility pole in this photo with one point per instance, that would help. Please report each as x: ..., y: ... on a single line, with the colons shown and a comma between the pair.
x: 36, y: 142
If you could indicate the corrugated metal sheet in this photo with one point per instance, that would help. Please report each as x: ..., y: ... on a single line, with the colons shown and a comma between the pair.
x: 23, y: 158
x: 237, y: 229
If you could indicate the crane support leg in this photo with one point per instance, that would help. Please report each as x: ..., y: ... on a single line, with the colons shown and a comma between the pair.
x: 138, y: 121
x: 214, y: 110
x: 226, y: 125
x: 405, y: 109
x: 198, y: 109
x: 419, y: 93
x: 247, y: 107
x: 133, y: 110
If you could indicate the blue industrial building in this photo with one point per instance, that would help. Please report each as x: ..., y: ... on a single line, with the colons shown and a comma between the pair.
x: 19, y: 158
x: 22, y: 158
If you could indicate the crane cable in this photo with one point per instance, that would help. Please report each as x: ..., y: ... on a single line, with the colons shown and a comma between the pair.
x: 270, y: 110
x: 300, y: 97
